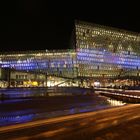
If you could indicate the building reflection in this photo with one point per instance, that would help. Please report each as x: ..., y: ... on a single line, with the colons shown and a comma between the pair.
x: 113, y: 102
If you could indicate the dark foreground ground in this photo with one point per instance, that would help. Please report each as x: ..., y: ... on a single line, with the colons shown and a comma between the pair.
x: 129, y: 130
x: 121, y: 123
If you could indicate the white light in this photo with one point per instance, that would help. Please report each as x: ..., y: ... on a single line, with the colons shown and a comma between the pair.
x: 18, y: 61
x: 115, y: 102
x: 96, y: 84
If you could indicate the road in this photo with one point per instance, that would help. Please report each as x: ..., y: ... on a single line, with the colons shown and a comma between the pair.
x: 78, y: 126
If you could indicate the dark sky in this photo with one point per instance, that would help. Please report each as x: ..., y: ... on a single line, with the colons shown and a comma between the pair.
x: 39, y: 24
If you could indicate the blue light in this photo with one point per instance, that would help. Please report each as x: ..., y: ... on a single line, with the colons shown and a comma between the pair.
x: 106, y: 57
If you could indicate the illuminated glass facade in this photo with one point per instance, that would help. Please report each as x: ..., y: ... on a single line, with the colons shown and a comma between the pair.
x: 100, y: 52
x: 106, y: 52
x: 58, y: 63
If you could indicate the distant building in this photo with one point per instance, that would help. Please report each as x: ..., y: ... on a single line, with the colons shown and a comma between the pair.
x: 99, y: 53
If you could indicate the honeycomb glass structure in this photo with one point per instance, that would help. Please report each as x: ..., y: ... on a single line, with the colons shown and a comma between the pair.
x: 99, y: 52
x: 106, y: 52
x: 57, y: 62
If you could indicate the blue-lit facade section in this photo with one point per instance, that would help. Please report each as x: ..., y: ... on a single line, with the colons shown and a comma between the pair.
x: 98, y: 57
x: 22, y: 65
x: 106, y: 52
x: 61, y: 63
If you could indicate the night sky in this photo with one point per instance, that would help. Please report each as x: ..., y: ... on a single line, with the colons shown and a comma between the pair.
x: 39, y: 24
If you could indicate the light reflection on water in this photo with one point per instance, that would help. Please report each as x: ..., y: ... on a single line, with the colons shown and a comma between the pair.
x: 13, y: 101
x: 7, y: 118
x: 115, y: 102
x: 18, y: 93
x: 28, y: 115
x: 42, y: 92
x: 21, y: 116
x: 16, y: 119
x: 15, y: 113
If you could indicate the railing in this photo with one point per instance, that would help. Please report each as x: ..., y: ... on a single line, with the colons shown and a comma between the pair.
x: 120, y: 95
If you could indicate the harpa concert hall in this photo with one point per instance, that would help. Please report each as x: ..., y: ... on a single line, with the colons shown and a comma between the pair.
x: 99, y: 56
